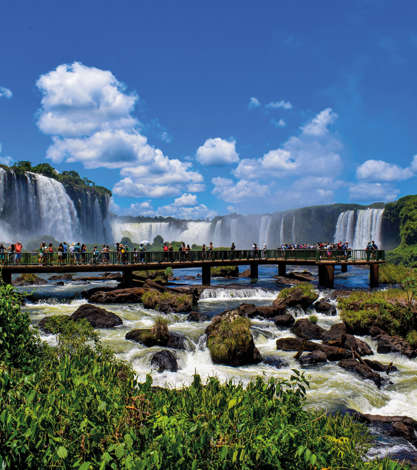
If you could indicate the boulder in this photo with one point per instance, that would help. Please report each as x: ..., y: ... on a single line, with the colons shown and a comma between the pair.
x: 333, y: 353
x: 274, y: 362
x: 379, y: 367
x: 245, y: 273
x: 230, y: 340
x: 164, y: 360
x: 401, y: 426
x: 314, y: 357
x: 392, y: 344
x: 251, y: 311
x: 148, y: 338
x: 117, y: 296
x: 60, y: 283
x: 197, y: 316
x: 338, y: 337
x: 225, y: 271
x: 48, y: 323
x: 304, y: 276
x: 302, y: 296
x: 283, y: 321
x: 28, y: 279
x: 335, y: 332
x: 167, y: 301
x: 322, y: 306
x: 96, y: 316
x: 361, y: 369
x: 306, y: 329
x: 61, y: 277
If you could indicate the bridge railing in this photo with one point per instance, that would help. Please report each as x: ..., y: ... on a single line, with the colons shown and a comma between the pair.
x: 131, y: 257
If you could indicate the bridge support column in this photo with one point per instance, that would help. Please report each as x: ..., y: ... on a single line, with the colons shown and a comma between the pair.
x: 326, y: 275
x: 254, y: 270
x: 344, y: 268
x: 206, y: 275
x: 374, y: 275
x: 6, y: 276
x: 127, y: 277
x: 282, y: 269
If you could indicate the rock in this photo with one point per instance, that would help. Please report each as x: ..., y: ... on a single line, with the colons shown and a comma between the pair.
x: 61, y: 277
x: 117, y: 296
x: 28, y: 279
x: 245, y: 273
x: 46, y: 322
x: 197, y: 316
x: 274, y: 362
x: 338, y: 337
x: 395, y: 344
x: 60, y: 283
x: 314, y: 357
x: 96, y: 316
x: 361, y: 369
x: 251, y: 311
x: 306, y: 329
x: 304, y: 276
x: 147, y: 337
x: 401, y: 426
x: 379, y: 367
x: 230, y: 340
x: 283, y: 321
x: 167, y: 301
x: 333, y: 353
x: 302, y: 296
x: 225, y: 271
x: 335, y: 332
x: 322, y: 306
x: 188, y: 278
x: 164, y: 360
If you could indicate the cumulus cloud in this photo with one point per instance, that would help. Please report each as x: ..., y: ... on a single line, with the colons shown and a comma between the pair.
x: 5, y: 159
x: 378, y: 170
x: 367, y: 192
x: 254, y: 103
x: 89, y: 115
x: 185, y: 200
x: 232, y: 191
x: 217, y: 151
x: 5, y: 92
x: 282, y: 104
x: 196, y: 187
x: 315, y: 151
x: 199, y: 211
x: 278, y: 123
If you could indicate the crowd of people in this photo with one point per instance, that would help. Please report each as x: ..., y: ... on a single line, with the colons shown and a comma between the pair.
x: 78, y: 254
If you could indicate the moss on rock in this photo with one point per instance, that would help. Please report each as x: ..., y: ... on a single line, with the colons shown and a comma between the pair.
x: 167, y: 301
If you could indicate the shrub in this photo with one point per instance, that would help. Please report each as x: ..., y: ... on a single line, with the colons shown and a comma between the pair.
x: 393, y: 274
x: 160, y: 328
x: 412, y: 338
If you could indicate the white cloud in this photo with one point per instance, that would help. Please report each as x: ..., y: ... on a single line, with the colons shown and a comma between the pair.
x: 200, y: 211
x: 254, y: 103
x: 278, y: 123
x: 318, y: 126
x: 282, y: 104
x: 5, y: 92
x: 368, y: 192
x: 232, y: 191
x: 196, y: 187
x: 89, y: 115
x: 312, y: 152
x: 185, y: 200
x: 378, y: 170
x: 5, y: 159
x: 217, y: 151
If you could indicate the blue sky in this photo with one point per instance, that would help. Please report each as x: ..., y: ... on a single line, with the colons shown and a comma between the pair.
x: 193, y: 109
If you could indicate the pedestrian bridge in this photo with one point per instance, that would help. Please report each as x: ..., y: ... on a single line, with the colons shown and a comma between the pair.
x: 325, y: 260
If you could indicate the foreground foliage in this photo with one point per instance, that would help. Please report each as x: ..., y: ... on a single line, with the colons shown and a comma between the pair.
x: 394, y: 274
x: 77, y: 406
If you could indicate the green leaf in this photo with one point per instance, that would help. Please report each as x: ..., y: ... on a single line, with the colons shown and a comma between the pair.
x: 232, y: 403
x: 62, y: 452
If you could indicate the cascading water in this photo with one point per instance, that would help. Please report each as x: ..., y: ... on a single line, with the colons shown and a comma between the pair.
x: 281, y: 230
x: 264, y: 230
x: 345, y: 227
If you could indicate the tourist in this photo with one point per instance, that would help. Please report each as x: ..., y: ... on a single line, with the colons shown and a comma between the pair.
x: 103, y: 254
x: 188, y: 252
x: 60, y: 252
x: 142, y: 249
x: 171, y: 252
x: 264, y: 251
x: 11, y: 253
x: 203, y: 251
x: 41, y: 253
x: 165, y: 251
x: 232, y: 249
x: 64, y: 252
x: 18, y: 248
x: 84, y: 253
x: 2, y: 254
x: 50, y: 253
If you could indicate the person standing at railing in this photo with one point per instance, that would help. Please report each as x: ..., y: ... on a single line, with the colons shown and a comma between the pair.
x: 64, y: 252
x: 203, y: 251
x: 2, y: 254
x: 50, y: 254
x: 84, y: 253
x: 18, y: 248
x: 232, y: 249
x: 211, y: 250
x: 264, y: 251
x: 96, y: 255
x: 60, y: 252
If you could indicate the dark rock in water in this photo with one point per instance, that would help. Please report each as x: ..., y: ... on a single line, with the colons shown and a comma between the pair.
x: 87, y: 294
x: 395, y: 344
x: 164, y: 360
x: 61, y: 277
x: 28, y: 279
x: 274, y: 362
x: 60, y: 283
x: 335, y: 332
x: 333, y: 353
x: 306, y: 329
x: 361, y: 369
x: 379, y: 367
x: 245, y: 273
x: 304, y: 276
x: 284, y: 320
x: 325, y: 307
x: 314, y: 357
x: 117, y: 296
x: 147, y: 337
x: 338, y: 337
x: 251, y: 311
x: 197, y: 316
x: 300, y: 296
x: 230, y: 340
x: 45, y: 323
x: 401, y: 426
x: 96, y: 316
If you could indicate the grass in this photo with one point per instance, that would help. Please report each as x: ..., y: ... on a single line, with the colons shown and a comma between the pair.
x: 225, y: 271
x: 157, y: 300
x: 313, y: 319
x: 306, y: 290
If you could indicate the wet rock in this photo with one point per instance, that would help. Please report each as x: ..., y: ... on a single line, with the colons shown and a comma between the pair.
x: 47, y: 324
x: 333, y: 353
x: 302, y: 296
x: 167, y: 301
x: 392, y: 344
x: 245, y: 273
x: 274, y: 362
x: 304, y: 276
x: 322, y: 306
x: 230, y: 340
x: 335, y: 332
x: 28, y: 279
x: 251, y: 311
x: 338, y: 337
x: 379, y: 367
x: 361, y: 369
x: 306, y: 329
x: 197, y: 316
x: 96, y: 316
x: 164, y: 360
x: 147, y: 337
x: 60, y: 283
x: 283, y: 321
x: 117, y: 296
x: 314, y: 357
x: 61, y: 277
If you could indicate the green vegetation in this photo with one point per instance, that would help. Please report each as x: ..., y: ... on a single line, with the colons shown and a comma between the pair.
x: 313, y: 319
x: 167, y: 301
x: 393, y: 310
x: 393, y: 274
x: 77, y: 407
x: 67, y: 178
x: 305, y: 291
x: 225, y: 271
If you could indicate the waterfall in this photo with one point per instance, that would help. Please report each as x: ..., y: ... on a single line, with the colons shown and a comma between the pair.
x: 294, y: 238
x: 367, y: 227
x: 281, y: 231
x: 264, y: 230
x: 345, y: 227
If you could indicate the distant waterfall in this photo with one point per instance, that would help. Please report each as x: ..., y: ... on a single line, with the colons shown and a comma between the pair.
x: 358, y: 227
x: 264, y: 230
x: 281, y: 231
